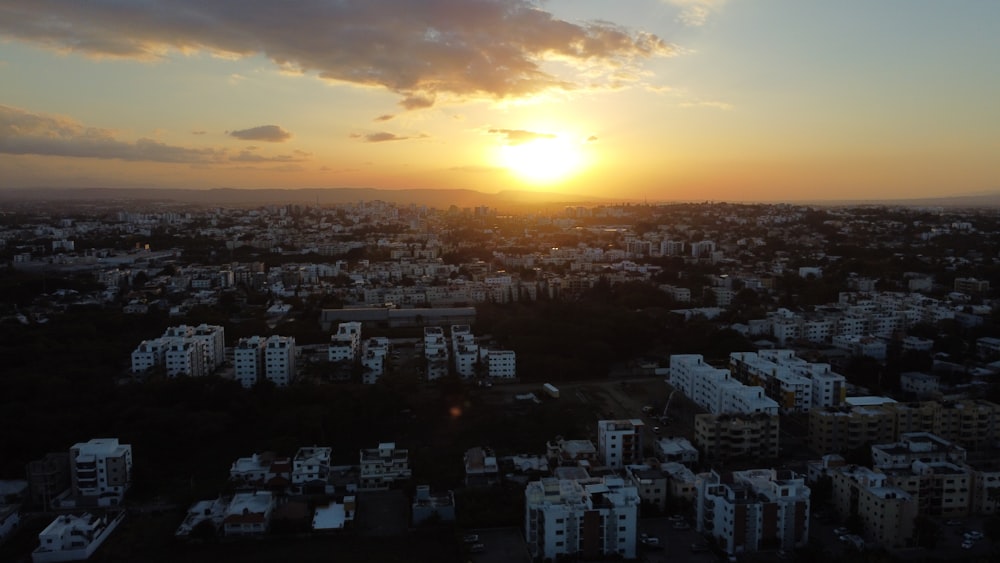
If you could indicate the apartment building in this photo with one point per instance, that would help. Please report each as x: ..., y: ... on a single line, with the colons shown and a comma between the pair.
x: 985, y: 487
x: 345, y: 345
x: 435, y: 352
x: 560, y: 452
x: 100, y: 471
x: 148, y: 354
x: 929, y: 469
x: 886, y: 512
x: 501, y: 364
x: 723, y: 437
x: 590, y: 519
x: 715, y: 389
x: 746, y: 511
x: 619, y: 442
x: 797, y: 385
x: 974, y: 424
x: 373, y: 357
x: 651, y: 482
x: 842, y: 429
x: 184, y: 357
x: 384, y: 467
x: 279, y: 360
x: 248, y: 360
x: 465, y: 351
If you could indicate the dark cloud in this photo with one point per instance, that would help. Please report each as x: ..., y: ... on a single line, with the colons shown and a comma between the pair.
x: 520, y: 136
x: 268, y: 133
x: 418, y: 49
x: 385, y: 117
x: 23, y: 132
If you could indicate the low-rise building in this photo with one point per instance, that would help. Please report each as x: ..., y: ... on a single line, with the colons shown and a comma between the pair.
x: 676, y: 449
x: 311, y: 466
x: 74, y: 538
x: 249, y: 514
x: 481, y: 468
x: 384, y: 467
x: 650, y: 482
x: 428, y: 505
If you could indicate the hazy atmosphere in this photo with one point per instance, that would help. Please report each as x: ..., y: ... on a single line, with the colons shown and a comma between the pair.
x: 662, y: 100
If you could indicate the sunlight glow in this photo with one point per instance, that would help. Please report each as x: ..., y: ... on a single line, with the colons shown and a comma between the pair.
x: 543, y: 160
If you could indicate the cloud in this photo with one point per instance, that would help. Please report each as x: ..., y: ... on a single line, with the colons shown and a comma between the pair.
x: 385, y: 117
x: 199, y: 132
x: 268, y: 133
x: 249, y: 156
x: 520, y: 136
x: 460, y: 48
x: 23, y: 132
x: 592, y: 139
x: 380, y: 137
x: 695, y: 13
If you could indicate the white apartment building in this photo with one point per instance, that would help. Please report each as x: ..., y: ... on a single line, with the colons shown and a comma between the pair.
x: 248, y: 360
x: 501, y: 364
x: 435, y: 352
x: 619, y: 442
x: 148, y: 354
x: 73, y: 538
x: 590, y: 518
x: 383, y: 467
x: 100, y: 470
x: 753, y: 509
x: 715, y: 389
x: 211, y: 340
x: 184, y: 357
x: 373, y: 354
x: 345, y: 345
x: 311, y: 465
x: 279, y: 360
x: 465, y: 350
x: 260, y: 470
x: 796, y: 384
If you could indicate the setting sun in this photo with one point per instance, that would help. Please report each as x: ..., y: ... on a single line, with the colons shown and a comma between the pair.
x: 543, y: 160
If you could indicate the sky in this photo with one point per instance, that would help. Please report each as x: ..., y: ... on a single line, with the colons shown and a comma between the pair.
x: 655, y: 100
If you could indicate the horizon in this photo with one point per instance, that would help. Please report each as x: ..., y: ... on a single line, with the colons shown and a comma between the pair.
x: 666, y: 101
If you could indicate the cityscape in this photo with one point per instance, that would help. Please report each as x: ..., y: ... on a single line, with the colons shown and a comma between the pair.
x: 695, y: 382
x: 499, y: 281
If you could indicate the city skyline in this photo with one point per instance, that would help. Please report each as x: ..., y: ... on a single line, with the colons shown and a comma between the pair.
x: 650, y: 99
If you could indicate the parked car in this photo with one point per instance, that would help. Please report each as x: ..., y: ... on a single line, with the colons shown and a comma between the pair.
x: 477, y: 548
x: 841, y: 531
x: 651, y: 542
x: 974, y: 535
x: 471, y: 538
x: 699, y: 547
x: 676, y: 518
x: 967, y: 544
x: 682, y: 526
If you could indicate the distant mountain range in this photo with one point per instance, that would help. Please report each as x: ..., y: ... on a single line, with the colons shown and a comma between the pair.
x: 439, y: 198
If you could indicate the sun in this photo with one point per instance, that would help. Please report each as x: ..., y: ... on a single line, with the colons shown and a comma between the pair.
x: 543, y: 160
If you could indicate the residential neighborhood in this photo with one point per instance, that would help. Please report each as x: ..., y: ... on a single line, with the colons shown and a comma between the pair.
x: 611, y: 382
